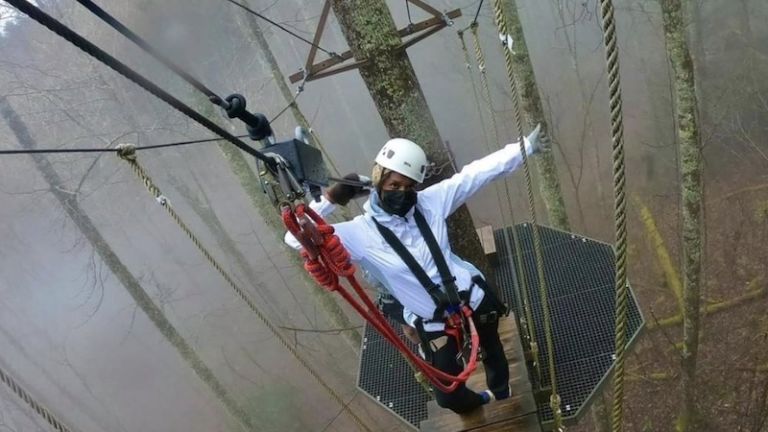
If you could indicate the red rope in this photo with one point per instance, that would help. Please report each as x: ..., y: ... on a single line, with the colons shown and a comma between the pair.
x: 326, y: 260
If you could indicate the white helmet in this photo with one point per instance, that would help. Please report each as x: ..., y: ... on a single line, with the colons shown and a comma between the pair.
x: 405, y: 157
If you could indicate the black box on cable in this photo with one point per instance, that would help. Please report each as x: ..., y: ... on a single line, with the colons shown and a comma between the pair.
x: 306, y: 162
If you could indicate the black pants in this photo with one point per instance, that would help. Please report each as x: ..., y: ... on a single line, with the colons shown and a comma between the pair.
x: 462, y: 399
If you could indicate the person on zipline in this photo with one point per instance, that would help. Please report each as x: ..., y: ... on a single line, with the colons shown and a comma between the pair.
x: 402, y: 241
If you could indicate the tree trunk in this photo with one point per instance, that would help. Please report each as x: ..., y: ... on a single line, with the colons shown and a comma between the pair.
x: 692, y: 195
x: 83, y: 222
x: 533, y: 112
x: 371, y: 34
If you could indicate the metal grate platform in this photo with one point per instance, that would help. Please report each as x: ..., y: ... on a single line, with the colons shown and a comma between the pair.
x: 386, y: 377
x: 580, y: 281
x: 580, y: 284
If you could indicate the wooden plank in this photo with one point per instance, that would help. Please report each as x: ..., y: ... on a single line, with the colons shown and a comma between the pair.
x: 334, y: 71
x: 426, y: 7
x: 421, y: 36
x: 313, y: 71
x: 529, y: 423
x: 486, y: 239
x: 318, y: 35
x: 499, y: 414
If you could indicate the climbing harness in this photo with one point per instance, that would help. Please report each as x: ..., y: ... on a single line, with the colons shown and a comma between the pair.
x: 327, y: 261
x: 443, y: 300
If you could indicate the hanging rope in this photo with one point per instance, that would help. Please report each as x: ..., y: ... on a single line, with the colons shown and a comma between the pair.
x: 620, y: 207
x: 468, y: 64
x: 554, y: 401
x: 43, y: 412
x: 65, y: 32
x: 480, y: 58
x: 523, y: 294
x: 128, y: 153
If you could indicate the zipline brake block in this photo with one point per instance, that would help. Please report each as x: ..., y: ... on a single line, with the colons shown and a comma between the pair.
x: 257, y: 124
x: 296, y: 164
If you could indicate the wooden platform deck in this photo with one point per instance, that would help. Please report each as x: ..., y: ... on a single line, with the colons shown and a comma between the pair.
x: 516, y: 414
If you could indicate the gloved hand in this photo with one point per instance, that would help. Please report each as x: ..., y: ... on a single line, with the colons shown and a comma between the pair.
x: 536, y: 142
x: 341, y: 193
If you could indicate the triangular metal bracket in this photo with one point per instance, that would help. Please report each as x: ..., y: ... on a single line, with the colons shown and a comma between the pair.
x: 422, y: 29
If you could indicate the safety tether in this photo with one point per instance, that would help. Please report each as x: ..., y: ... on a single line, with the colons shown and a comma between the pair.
x: 554, y: 401
x: 327, y: 261
x: 128, y: 153
x: 522, y: 291
x: 620, y: 207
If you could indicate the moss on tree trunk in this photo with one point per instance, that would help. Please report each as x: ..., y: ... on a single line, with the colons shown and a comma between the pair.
x: 692, y: 198
x: 371, y: 34
x: 143, y: 300
x: 533, y: 112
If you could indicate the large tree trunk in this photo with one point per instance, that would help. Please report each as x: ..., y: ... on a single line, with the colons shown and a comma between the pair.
x: 371, y: 34
x: 83, y: 222
x: 533, y: 112
x: 692, y: 195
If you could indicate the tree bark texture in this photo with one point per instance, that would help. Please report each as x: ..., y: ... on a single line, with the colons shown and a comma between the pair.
x: 371, y: 34
x: 533, y: 112
x: 686, y: 105
x: 143, y: 300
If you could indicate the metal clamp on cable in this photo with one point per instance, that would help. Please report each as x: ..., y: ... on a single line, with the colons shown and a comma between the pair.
x: 235, y: 106
x: 282, y: 172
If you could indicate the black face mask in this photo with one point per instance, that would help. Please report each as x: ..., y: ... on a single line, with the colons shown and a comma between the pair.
x: 398, y: 202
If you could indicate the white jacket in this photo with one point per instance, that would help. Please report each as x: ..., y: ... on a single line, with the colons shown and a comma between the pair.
x: 368, y: 248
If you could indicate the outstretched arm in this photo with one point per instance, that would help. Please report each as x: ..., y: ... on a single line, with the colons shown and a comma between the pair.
x: 448, y: 195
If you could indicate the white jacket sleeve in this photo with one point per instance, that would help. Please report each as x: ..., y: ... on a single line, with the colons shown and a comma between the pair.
x: 323, y: 208
x: 448, y: 195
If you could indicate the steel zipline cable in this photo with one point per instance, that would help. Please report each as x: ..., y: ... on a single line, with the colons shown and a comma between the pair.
x: 251, y: 11
x: 146, y: 46
x: 133, y: 37
x: 110, y: 149
x: 138, y: 148
x: 85, y: 45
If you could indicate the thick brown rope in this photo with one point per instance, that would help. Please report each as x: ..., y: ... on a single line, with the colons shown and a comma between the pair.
x: 620, y: 207
x: 43, y: 412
